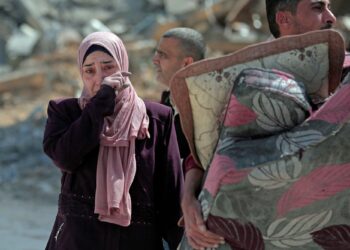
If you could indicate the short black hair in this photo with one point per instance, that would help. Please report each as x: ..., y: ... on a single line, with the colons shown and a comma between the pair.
x: 272, y: 7
x: 192, y: 42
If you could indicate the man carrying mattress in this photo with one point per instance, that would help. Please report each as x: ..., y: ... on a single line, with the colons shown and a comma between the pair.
x: 285, y: 17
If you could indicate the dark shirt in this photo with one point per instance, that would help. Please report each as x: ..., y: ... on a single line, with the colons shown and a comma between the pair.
x: 71, y: 140
x: 181, y: 139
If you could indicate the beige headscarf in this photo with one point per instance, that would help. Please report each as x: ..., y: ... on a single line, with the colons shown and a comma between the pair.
x: 116, y: 165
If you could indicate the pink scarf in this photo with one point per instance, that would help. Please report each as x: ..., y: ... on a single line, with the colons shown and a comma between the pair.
x: 116, y: 165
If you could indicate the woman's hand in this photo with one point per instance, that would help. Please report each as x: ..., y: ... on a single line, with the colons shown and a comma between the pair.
x: 117, y: 81
x: 196, y: 232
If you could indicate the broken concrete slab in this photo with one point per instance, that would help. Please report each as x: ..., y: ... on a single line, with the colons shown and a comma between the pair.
x: 180, y: 6
x: 35, y: 10
x: 22, y: 41
x: 94, y: 25
x: 23, y: 79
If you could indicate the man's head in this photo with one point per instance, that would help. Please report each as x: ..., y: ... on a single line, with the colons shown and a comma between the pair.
x: 293, y: 17
x: 177, y: 48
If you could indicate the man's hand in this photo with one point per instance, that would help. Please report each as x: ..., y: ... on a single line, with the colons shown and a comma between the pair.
x: 196, y: 232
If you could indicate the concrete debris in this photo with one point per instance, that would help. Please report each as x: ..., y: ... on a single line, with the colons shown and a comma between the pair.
x: 23, y: 79
x: 66, y: 37
x: 35, y: 11
x: 3, y: 53
x: 22, y: 42
x: 38, y: 51
x: 94, y: 25
x: 20, y: 146
x: 180, y: 6
x: 39, y: 40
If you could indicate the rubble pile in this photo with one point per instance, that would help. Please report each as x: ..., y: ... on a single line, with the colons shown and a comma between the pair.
x: 39, y: 39
x: 22, y: 162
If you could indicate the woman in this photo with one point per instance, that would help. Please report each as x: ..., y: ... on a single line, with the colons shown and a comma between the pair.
x: 99, y: 141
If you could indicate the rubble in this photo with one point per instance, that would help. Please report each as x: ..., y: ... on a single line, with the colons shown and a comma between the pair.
x: 38, y: 46
x: 23, y: 79
x: 39, y: 39
x: 180, y: 6
x: 22, y: 42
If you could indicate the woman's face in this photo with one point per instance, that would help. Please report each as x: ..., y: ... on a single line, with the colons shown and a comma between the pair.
x: 96, y: 67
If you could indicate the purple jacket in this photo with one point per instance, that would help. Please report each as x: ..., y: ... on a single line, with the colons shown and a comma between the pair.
x: 71, y: 140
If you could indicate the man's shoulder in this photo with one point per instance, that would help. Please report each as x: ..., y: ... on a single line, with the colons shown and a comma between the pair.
x: 158, y: 111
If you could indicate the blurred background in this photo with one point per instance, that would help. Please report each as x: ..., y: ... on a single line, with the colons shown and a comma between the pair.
x: 38, y: 45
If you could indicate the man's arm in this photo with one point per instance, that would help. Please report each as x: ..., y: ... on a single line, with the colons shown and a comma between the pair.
x: 197, y: 234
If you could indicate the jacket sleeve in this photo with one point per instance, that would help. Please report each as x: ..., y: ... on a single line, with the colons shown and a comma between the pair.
x: 70, y: 134
x: 172, y: 187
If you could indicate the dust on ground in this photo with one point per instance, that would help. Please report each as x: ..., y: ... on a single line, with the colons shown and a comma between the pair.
x: 29, y: 183
x: 28, y: 209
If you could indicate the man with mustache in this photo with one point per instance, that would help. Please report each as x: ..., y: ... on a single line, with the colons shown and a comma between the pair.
x: 177, y: 48
x: 285, y: 17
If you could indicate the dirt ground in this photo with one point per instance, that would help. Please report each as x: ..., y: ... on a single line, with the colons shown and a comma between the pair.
x: 26, y: 219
